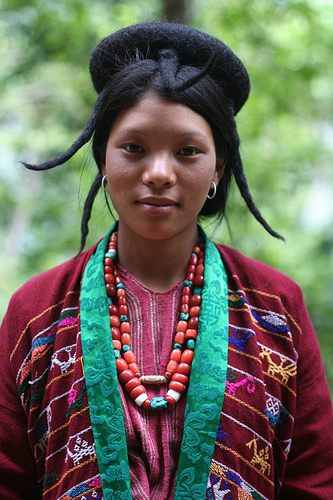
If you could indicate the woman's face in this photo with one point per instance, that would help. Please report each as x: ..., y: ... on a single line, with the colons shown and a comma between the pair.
x: 160, y: 160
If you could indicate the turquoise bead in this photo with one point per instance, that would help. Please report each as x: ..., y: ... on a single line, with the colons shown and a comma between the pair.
x: 112, y: 255
x: 188, y: 283
x: 123, y: 318
x: 158, y: 403
x: 194, y: 255
x: 120, y: 285
x: 117, y: 353
x: 184, y: 316
x: 191, y: 344
x: 126, y: 347
x: 177, y: 346
x: 197, y: 290
x: 110, y: 301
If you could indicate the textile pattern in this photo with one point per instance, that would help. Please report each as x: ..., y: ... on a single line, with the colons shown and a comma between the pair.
x: 254, y: 437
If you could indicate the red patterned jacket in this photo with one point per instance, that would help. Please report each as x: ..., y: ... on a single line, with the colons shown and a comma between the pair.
x: 275, y: 436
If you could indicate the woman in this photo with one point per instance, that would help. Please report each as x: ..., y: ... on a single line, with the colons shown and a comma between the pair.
x: 124, y: 372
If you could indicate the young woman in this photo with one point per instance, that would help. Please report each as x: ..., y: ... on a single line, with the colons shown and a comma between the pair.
x: 158, y: 365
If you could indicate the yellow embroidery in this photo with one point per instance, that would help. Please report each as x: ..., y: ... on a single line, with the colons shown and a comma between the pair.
x: 245, y: 461
x: 242, y: 495
x: 261, y: 457
x: 234, y: 297
x: 221, y: 472
x: 285, y: 371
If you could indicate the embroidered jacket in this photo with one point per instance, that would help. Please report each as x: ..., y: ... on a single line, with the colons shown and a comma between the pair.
x: 274, y: 438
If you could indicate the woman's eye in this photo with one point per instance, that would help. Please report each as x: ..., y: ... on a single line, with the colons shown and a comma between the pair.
x: 188, y: 151
x: 133, y: 148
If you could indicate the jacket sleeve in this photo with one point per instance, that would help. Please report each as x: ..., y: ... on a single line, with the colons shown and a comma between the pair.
x: 17, y: 465
x: 309, y: 469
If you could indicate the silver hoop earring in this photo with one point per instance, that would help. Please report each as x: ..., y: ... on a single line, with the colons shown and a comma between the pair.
x: 105, y: 179
x: 214, y: 188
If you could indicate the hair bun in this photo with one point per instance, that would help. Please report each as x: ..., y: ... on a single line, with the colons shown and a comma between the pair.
x: 193, y: 48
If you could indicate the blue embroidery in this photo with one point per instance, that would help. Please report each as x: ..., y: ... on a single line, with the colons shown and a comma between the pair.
x: 276, y: 419
x: 271, y: 323
x: 243, y: 337
x: 221, y: 434
x: 40, y: 428
x: 233, y: 477
x: 43, y: 341
x: 78, y: 490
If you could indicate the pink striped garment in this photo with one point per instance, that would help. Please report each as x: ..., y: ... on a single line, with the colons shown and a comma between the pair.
x: 153, y: 438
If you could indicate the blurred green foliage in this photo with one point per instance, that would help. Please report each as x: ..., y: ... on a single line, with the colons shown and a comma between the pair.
x: 286, y: 130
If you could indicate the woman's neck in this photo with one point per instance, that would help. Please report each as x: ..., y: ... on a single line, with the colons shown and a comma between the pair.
x: 158, y: 264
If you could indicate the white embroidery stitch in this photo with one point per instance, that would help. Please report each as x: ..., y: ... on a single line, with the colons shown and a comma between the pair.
x: 66, y: 363
x: 81, y: 449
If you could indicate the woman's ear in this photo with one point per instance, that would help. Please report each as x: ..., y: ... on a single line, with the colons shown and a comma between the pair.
x: 102, y: 163
x: 219, y: 170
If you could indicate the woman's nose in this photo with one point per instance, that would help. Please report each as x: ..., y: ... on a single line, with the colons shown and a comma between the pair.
x: 160, y: 171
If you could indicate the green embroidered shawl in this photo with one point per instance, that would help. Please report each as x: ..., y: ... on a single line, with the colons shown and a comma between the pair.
x: 205, y: 392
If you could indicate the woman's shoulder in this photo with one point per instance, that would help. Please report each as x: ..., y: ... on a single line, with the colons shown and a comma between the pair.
x: 50, y: 287
x: 253, y: 274
x: 263, y: 288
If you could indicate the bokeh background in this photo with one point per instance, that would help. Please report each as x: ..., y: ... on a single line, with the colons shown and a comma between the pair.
x: 286, y: 129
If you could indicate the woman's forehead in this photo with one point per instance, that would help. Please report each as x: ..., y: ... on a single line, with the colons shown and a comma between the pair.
x: 151, y: 109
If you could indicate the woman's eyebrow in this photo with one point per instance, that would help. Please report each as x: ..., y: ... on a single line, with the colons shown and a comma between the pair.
x: 194, y: 132
x: 132, y: 131
x: 136, y: 131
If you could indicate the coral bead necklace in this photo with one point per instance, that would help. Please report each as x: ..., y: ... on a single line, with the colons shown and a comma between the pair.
x: 179, y: 366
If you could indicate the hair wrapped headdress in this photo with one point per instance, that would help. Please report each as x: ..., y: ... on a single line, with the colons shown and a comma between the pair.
x: 193, y: 48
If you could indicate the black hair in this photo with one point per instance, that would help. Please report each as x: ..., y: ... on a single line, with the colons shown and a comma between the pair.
x: 188, y: 85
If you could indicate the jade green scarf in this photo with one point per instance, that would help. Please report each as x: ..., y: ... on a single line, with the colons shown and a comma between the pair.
x: 205, y: 392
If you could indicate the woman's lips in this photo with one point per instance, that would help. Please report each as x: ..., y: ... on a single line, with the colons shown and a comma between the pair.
x: 155, y: 205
